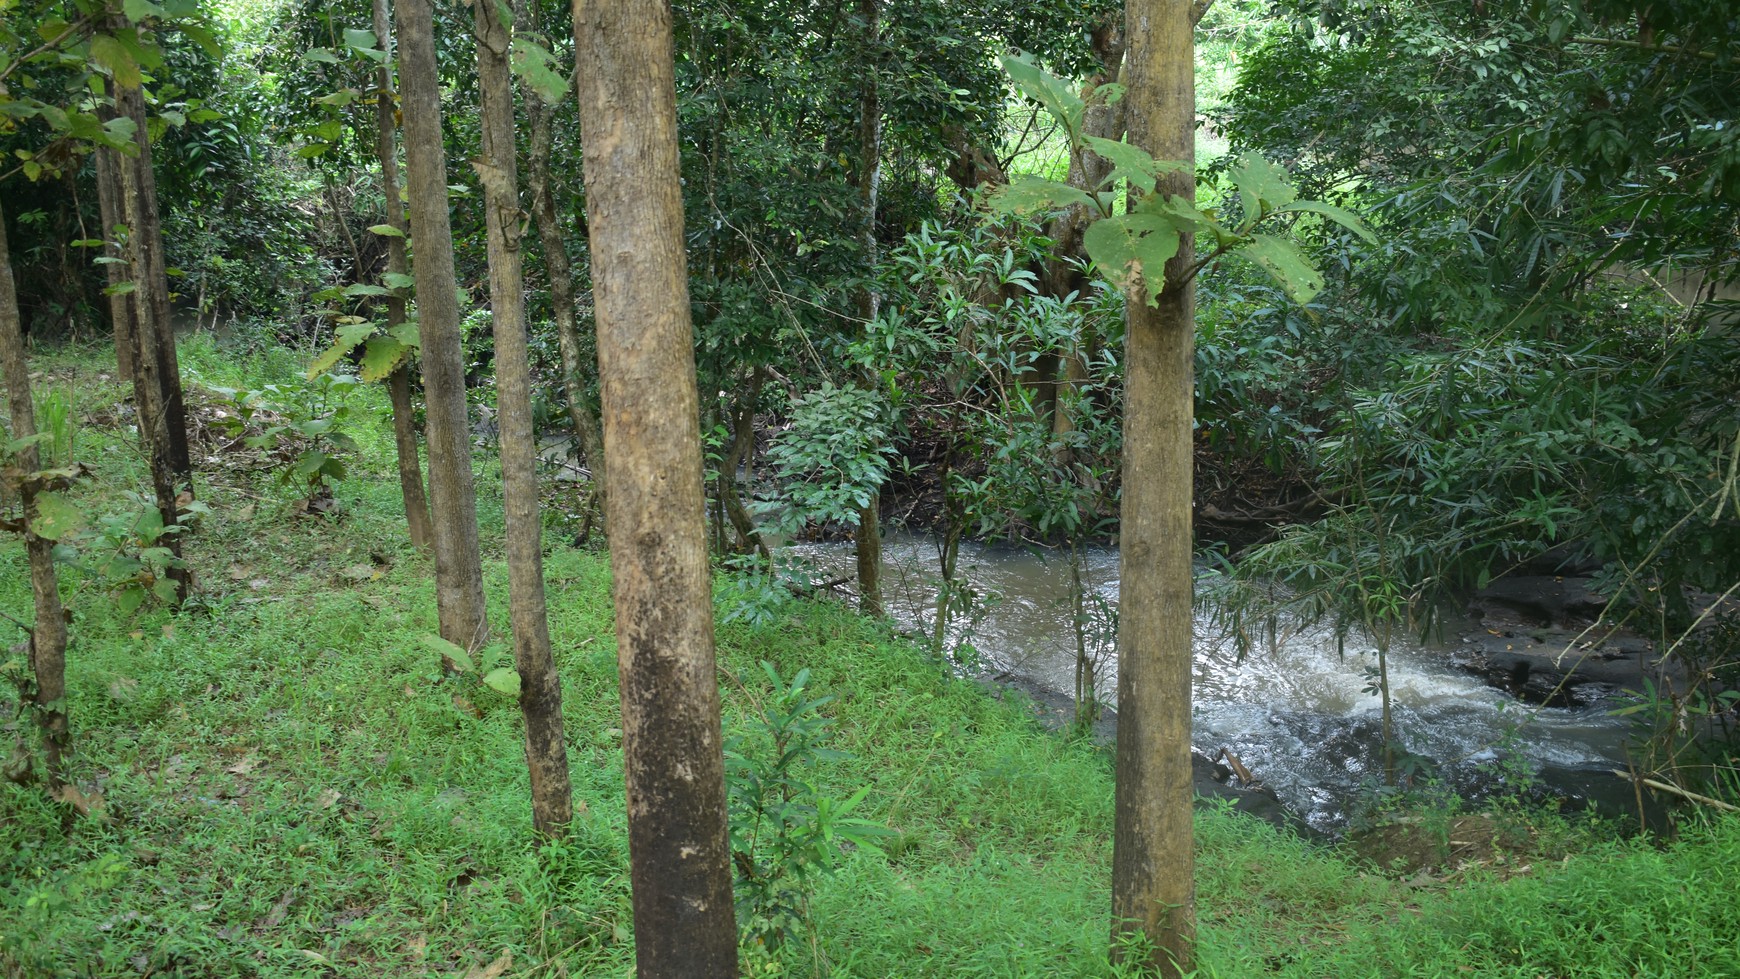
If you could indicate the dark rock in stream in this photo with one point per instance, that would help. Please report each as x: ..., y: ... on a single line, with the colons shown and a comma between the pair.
x: 1535, y: 637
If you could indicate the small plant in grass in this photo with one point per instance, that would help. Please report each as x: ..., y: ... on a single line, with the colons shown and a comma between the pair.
x: 785, y: 831
x: 482, y: 667
x: 130, y: 555
x: 303, y: 431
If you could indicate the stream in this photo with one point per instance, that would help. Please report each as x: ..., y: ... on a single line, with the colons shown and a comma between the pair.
x: 1296, y: 713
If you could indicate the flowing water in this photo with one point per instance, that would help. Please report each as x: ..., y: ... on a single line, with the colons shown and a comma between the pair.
x: 1296, y: 711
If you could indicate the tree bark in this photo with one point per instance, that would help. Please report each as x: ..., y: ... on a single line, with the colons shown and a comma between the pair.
x: 685, y: 926
x: 1153, y: 888
x: 869, y: 536
x: 398, y: 263
x: 559, y: 273
x: 109, y: 205
x: 540, y: 686
x: 155, y: 408
x: 453, y: 495
x: 742, y: 442
x: 48, y: 632
x: 152, y: 295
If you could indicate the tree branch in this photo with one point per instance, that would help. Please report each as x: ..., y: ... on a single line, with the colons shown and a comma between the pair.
x: 1619, y: 42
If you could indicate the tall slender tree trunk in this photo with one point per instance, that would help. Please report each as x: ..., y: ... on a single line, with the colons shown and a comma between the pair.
x: 540, y: 686
x: 452, y: 492
x: 559, y: 272
x: 869, y: 537
x: 48, y: 632
x: 145, y: 294
x: 399, y: 381
x: 109, y: 204
x: 1153, y: 887
x: 685, y: 926
x: 742, y: 444
x: 152, y: 295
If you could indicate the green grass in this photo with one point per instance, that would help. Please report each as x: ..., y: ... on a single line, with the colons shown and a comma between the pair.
x: 294, y: 790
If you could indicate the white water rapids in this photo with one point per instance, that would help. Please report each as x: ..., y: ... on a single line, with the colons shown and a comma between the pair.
x: 1297, y: 714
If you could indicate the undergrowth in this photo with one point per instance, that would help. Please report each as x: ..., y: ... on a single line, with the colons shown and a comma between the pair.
x: 290, y: 787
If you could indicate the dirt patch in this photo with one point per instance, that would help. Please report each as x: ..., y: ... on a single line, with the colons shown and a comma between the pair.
x: 1425, y: 848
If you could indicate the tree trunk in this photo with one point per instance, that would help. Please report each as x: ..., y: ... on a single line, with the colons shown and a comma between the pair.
x: 48, y: 633
x: 540, y: 686
x: 152, y: 277
x: 869, y: 537
x: 742, y: 444
x: 680, y: 867
x: 109, y: 204
x: 148, y: 310
x: 559, y: 273
x: 453, y: 496
x: 1153, y: 888
x: 399, y: 382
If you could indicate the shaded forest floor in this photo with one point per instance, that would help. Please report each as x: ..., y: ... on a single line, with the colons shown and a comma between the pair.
x: 288, y: 786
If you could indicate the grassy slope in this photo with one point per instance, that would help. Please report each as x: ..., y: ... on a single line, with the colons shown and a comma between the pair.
x: 296, y: 793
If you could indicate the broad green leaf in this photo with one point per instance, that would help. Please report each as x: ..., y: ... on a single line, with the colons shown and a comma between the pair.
x: 128, y: 599
x: 534, y: 66
x: 360, y: 40
x: 145, y: 52
x: 51, y: 27
x: 342, y: 97
x: 407, y: 334
x: 1048, y: 90
x: 1339, y: 215
x: 140, y: 10
x: 381, y: 357
x: 1183, y: 214
x: 386, y: 230
x: 353, y: 333
x: 312, y: 150
x: 1287, y: 265
x: 120, y: 288
x: 345, y: 339
x: 55, y: 117
x: 112, y: 55
x: 309, y: 463
x: 1262, y: 186
x: 321, y: 55
x: 399, y: 280
x: 121, y: 129
x: 1026, y: 194
x: 503, y: 679
x: 1133, y: 250
x: 1133, y: 163
x: 55, y: 517
x: 450, y: 654
x: 365, y: 289
x: 203, y: 37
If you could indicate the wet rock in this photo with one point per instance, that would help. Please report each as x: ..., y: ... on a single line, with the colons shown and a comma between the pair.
x: 1536, y: 637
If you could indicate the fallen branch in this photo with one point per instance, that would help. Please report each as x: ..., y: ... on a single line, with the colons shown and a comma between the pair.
x: 1676, y: 790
